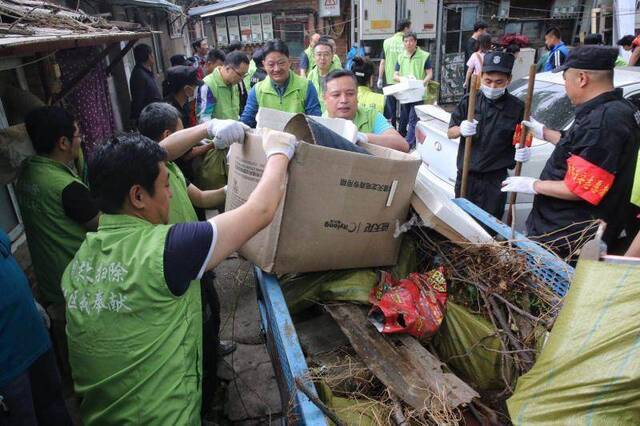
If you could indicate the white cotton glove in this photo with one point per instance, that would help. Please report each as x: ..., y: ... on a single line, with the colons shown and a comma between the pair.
x: 535, y: 127
x: 44, y: 315
x: 274, y: 142
x: 523, y: 154
x: 224, y: 188
x: 380, y: 84
x: 226, y: 132
x: 468, y: 128
x: 362, y: 138
x: 521, y: 184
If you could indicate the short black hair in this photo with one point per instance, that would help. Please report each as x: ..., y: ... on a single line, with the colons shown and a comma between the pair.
x: 403, y: 24
x: 275, y: 45
x: 45, y: 125
x: 117, y: 165
x: 410, y: 34
x: 337, y: 74
x: 141, y: 53
x: 513, y: 48
x: 157, y: 117
x: 216, y: 55
x: 554, y: 31
x: 480, y: 25
x: 178, y: 60
x: 234, y: 59
x: 626, y: 40
x: 236, y: 45
x: 362, y: 69
x: 323, y: 42
x: 196, y: 43
x: 593, y: 40
x: 258, y: 57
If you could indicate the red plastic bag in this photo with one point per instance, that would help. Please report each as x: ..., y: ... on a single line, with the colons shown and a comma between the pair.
x: 414, y: 305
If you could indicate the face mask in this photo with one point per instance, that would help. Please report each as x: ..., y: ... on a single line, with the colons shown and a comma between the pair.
x: 492, y: 93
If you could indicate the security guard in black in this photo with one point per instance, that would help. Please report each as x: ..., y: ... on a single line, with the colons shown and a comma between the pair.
x: 493, y: 150
x: 595, y: 160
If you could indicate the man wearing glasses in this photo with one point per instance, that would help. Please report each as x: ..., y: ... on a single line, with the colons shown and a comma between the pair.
x: 323, y: 54
x: 219, y: 98
x: 282, y: 89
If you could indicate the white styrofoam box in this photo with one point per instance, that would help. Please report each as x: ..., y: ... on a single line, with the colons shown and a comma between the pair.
x: 407, y: 91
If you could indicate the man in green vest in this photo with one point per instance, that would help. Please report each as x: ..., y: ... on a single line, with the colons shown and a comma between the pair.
x: 391, y: 48
x: 323, y: 52
x: 56, y: 208
x: 134, y: 320
x: 158, y: 122
x: 413, y: 63
x: 341, y: 100
x: 282, y: 89
x: 219, y: 97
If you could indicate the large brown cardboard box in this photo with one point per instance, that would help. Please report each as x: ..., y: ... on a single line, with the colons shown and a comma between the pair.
x: 340, y: 209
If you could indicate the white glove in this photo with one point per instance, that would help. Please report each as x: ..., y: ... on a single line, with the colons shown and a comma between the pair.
x: 523, y: 154
x: 521, y: 184
x: 362, y: 138
x: 380, y: 84
x: 274, y: 142
x: 224, y: 188
x: 43, y: 314
x: 535, y: 127
x: 468, y: 128
x: 226, y: 132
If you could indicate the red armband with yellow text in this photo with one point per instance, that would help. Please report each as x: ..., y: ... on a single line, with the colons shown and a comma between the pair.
x: 586, y: 180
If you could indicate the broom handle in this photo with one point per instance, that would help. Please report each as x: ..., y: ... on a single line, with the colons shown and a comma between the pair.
x: 471, y: 112
x: 523, y: 137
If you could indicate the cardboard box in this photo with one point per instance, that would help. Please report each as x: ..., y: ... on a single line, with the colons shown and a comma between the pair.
x: 340, y: 209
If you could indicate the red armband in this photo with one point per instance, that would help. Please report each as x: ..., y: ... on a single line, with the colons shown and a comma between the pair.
x: 518, y: 134
x: 586, y: 180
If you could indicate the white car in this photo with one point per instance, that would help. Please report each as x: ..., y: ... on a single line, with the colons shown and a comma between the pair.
x: 550, y: 106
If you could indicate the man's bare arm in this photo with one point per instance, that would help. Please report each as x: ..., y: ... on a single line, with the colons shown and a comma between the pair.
x: 208, y: 199
x: 556, y: 189
x: 182, y: 141
x: 390, y: 139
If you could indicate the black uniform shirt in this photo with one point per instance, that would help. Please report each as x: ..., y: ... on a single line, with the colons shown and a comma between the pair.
x: 493, y: 148
x: 606, y: 133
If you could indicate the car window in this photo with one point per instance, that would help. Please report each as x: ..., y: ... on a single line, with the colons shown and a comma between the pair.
x: 550, y: 104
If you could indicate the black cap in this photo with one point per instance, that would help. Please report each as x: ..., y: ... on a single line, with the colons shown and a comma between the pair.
x: 180, y: 76
x: 498, y: 62
x: 590, y: 58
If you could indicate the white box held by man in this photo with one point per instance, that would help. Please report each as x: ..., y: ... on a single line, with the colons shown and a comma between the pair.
x: 339, y: 210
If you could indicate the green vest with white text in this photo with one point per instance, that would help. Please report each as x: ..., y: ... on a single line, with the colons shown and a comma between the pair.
x: 52, y: 236
x: 293, y: 99
x: 413, y: 65
x: 135, y: 349
x: 370, y: 99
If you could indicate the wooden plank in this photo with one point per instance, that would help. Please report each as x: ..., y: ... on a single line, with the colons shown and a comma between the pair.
x: 401, y: 363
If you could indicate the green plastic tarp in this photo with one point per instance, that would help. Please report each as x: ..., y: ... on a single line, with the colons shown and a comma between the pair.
x: 589, y: 370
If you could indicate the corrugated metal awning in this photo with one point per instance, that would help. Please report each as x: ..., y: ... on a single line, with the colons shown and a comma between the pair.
x: 47, y: 42
x: 162, y: 4
x: 224, y: 6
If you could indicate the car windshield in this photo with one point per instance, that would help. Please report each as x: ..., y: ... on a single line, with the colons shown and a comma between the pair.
x: 550, y: 105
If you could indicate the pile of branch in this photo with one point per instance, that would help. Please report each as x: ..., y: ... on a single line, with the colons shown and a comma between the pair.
x: 28, y: 17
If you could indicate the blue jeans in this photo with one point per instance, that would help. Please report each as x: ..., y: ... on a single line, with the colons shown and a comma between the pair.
x: 35, y: 397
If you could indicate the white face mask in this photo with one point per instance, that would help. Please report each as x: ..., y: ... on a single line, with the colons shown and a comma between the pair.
x: 492, y: 93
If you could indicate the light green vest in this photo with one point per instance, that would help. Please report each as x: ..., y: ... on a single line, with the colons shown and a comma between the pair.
x: 227, y: 98
x: 135, y: 349
x: 365, y: 119
x: 314, y: 77
x: 252, y: 69
x: 52, y: 236
x: 180, y: 208
x: 293, y: 99
x: 369, y: 99
x: 393, y: 46
x: 413, y: 65
x: 635, y: 192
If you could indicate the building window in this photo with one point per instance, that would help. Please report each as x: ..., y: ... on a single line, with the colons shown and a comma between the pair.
x: 292, y: 33
x: 460, y: 22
